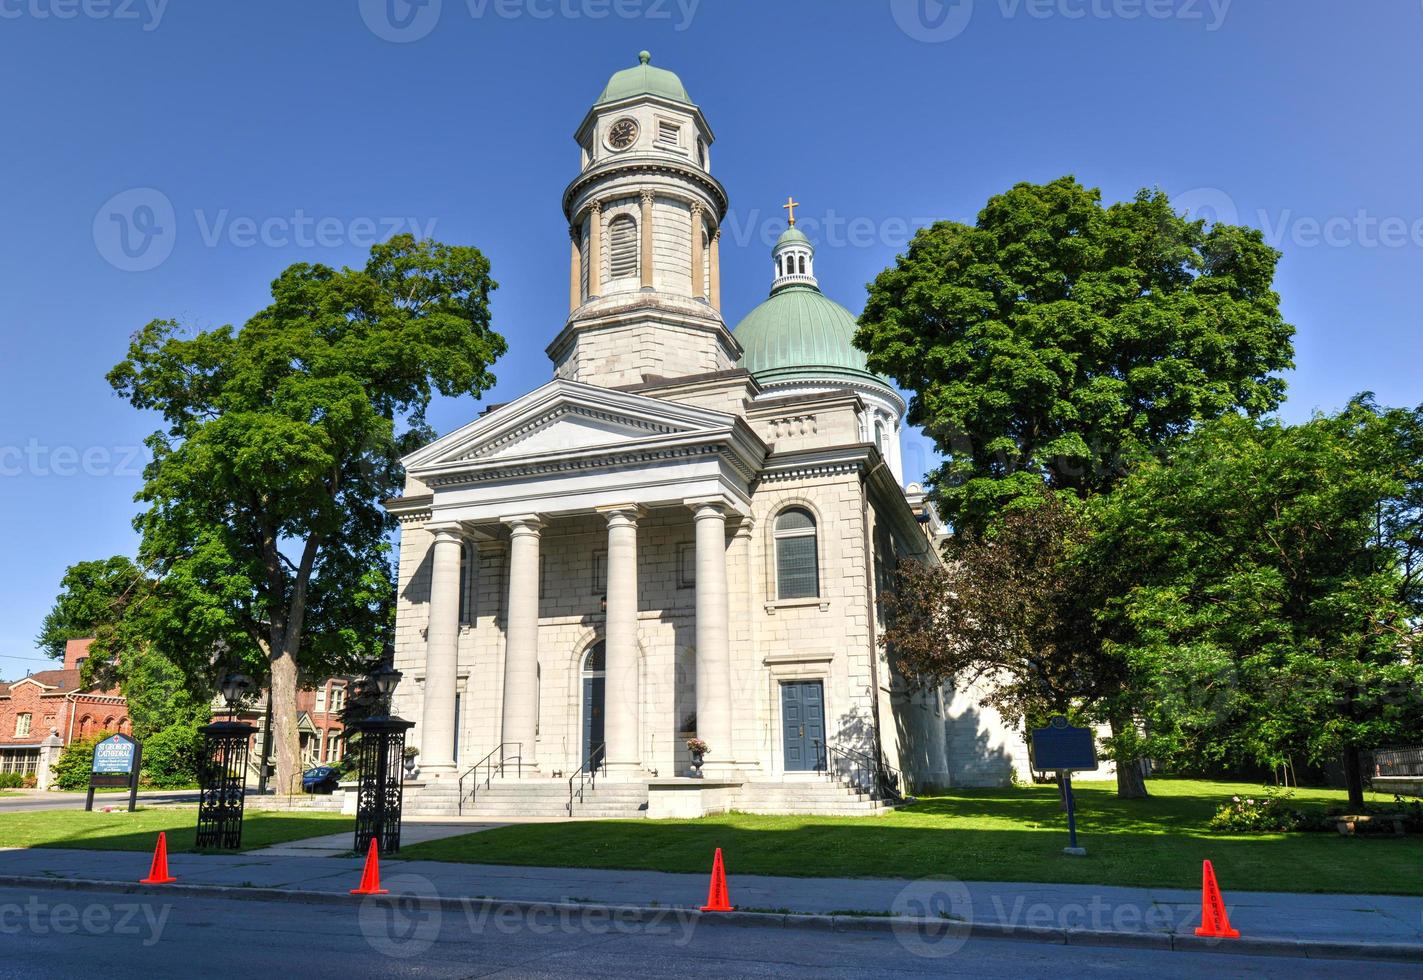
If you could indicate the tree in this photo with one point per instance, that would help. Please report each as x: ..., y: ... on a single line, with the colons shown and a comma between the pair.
x: 116, y: 604
x: 264, y: 524
x: 1056, y: 340
x: 1013, y: 606
x: 1271, y: 583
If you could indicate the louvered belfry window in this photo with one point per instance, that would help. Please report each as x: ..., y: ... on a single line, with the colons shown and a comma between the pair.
x: 623, y: 249
x: 797, y: 560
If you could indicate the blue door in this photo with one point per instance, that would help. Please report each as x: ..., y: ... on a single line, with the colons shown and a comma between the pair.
x: 593, y: 721
x: 803, y: 720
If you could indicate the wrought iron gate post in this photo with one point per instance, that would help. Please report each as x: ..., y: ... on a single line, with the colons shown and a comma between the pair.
x: 222, y: 780
x: 381, y: 788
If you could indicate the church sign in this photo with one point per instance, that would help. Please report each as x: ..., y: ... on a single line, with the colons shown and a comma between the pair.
x: 116, y: 763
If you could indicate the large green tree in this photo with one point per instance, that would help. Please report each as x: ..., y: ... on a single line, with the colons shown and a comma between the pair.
x: 264, y: 522
x: 1055, y: 340
x: 1270, y: 583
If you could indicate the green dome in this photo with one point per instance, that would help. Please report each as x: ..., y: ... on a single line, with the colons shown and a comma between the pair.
x: 801, y: 334
x: 644, y: 80
x: 792, y: 236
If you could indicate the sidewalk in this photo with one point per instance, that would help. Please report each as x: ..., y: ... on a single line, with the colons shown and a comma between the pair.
x: 1296, y: 924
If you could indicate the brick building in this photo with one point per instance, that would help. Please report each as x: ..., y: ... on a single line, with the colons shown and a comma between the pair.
x: 319, y: 724
x: 58, y: 701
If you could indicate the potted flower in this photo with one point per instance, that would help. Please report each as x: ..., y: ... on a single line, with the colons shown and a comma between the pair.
x: 698, y: 748
x: 411, y: 768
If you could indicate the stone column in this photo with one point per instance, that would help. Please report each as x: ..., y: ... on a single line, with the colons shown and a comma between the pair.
x: 647, y: 199
x: 713, y: 633
x: 437, y: 721
x: 699, y: 282
x: 622, y: 697
x: 50, y: 750
x: 595, y: 249
x: 575, y: 269
x: 716, y: 269
x: 521, y: 641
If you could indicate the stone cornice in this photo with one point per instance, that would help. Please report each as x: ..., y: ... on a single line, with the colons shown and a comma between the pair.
x: 647, y: 166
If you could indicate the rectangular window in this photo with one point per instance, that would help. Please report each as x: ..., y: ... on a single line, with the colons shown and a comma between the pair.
x: 669, y: 133
x: 796, y: 570
x: 687, y: 566
x: 22, y: 726
x: 338, y: 699
x: 600, y: 572
x: 321, y: 698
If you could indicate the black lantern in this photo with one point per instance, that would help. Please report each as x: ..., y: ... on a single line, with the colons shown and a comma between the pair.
x: 380, y: 756
x: 222, y: 776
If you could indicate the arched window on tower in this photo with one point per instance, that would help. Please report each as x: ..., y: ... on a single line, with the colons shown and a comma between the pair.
x: 802, y: 265
x: 622, y: 234
x: 797, y: 557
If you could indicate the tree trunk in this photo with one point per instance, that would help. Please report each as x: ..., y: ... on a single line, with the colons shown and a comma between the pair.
x: 284, y: 722
x: 1131, y: 785
x: 1354, y: 778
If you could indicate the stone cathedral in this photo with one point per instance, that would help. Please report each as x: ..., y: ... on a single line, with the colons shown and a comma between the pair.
x: 682, y: 534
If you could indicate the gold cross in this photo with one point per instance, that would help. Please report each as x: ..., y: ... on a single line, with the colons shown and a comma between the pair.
x: 790, y: 205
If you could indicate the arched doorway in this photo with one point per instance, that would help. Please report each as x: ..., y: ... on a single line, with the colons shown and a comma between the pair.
x: 594, y: 687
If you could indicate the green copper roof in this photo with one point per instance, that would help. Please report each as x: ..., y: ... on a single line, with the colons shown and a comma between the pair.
x: 644, y: 80
x: 799, y: 333
x: 792, y: 236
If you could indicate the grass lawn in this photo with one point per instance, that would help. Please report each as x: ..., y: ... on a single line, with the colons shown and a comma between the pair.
x: 981, y: 835
x: 138, y: 831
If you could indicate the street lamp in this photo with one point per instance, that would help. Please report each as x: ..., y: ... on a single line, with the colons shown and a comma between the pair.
x: 222, y: 777
x: 380, y: 757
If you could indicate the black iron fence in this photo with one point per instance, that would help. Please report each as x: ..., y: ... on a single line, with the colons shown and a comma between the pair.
x: 1398, y: 762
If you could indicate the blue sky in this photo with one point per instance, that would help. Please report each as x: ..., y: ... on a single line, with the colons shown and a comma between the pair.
x: 280, y: 132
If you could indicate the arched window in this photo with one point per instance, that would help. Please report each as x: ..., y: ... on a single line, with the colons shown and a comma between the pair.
x: 622, y: 234
x: 797, y: 558
x: 779, y: 273
x: 802, y: 265
x: 86, y: 726
x: 880, y: 442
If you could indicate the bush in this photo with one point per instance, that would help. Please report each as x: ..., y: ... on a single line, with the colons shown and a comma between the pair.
x: 1269, y: 813
x: 30, y: 781
x: 11, y: 780
x: 171, y: 757
x: 71, y: 771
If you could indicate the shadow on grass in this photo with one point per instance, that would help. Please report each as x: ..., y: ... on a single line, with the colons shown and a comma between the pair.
x: 92, y: 831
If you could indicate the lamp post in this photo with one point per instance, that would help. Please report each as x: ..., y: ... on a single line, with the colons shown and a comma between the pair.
x: 380, y: 760
x: 222, y: 776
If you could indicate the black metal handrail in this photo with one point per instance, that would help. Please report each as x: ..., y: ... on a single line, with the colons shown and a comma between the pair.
x: 491, y: 768
x: 862, y: 770
x: 1398, y: 762
x: 587, y: 775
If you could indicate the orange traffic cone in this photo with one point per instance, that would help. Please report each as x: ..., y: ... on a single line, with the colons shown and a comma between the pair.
x: 370, y: 877
x: 717, y: 899
x: 158, y: 871
x: 1215, y: 923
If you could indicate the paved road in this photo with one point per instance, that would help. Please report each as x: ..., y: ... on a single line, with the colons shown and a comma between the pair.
x: 75, y: 801
x: 68, y: 933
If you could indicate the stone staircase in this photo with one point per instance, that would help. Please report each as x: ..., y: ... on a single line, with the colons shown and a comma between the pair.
x: 819, y: 796
x: 504, y: 798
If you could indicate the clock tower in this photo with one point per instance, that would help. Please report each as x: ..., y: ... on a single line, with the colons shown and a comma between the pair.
x: 644, y: 217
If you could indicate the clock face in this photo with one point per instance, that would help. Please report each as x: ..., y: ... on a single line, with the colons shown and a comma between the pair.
x: 623, y: 134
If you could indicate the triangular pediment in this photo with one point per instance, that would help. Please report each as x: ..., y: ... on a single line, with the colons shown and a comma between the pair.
x: 566, y: 418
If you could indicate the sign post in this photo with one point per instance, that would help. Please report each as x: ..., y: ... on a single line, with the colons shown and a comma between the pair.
x: 117, y: 761
x: 1064, y: 749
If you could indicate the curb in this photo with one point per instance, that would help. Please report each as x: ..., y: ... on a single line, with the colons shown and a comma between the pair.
x: 634, y: 914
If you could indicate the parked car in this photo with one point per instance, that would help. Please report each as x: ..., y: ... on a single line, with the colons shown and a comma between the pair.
x: 322, y: 779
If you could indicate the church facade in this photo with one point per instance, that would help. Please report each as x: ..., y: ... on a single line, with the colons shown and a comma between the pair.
x: 684, y: 533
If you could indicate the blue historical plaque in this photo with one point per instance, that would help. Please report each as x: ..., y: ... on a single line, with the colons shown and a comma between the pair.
x: 114, y: 756
x: 1061, y: 747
